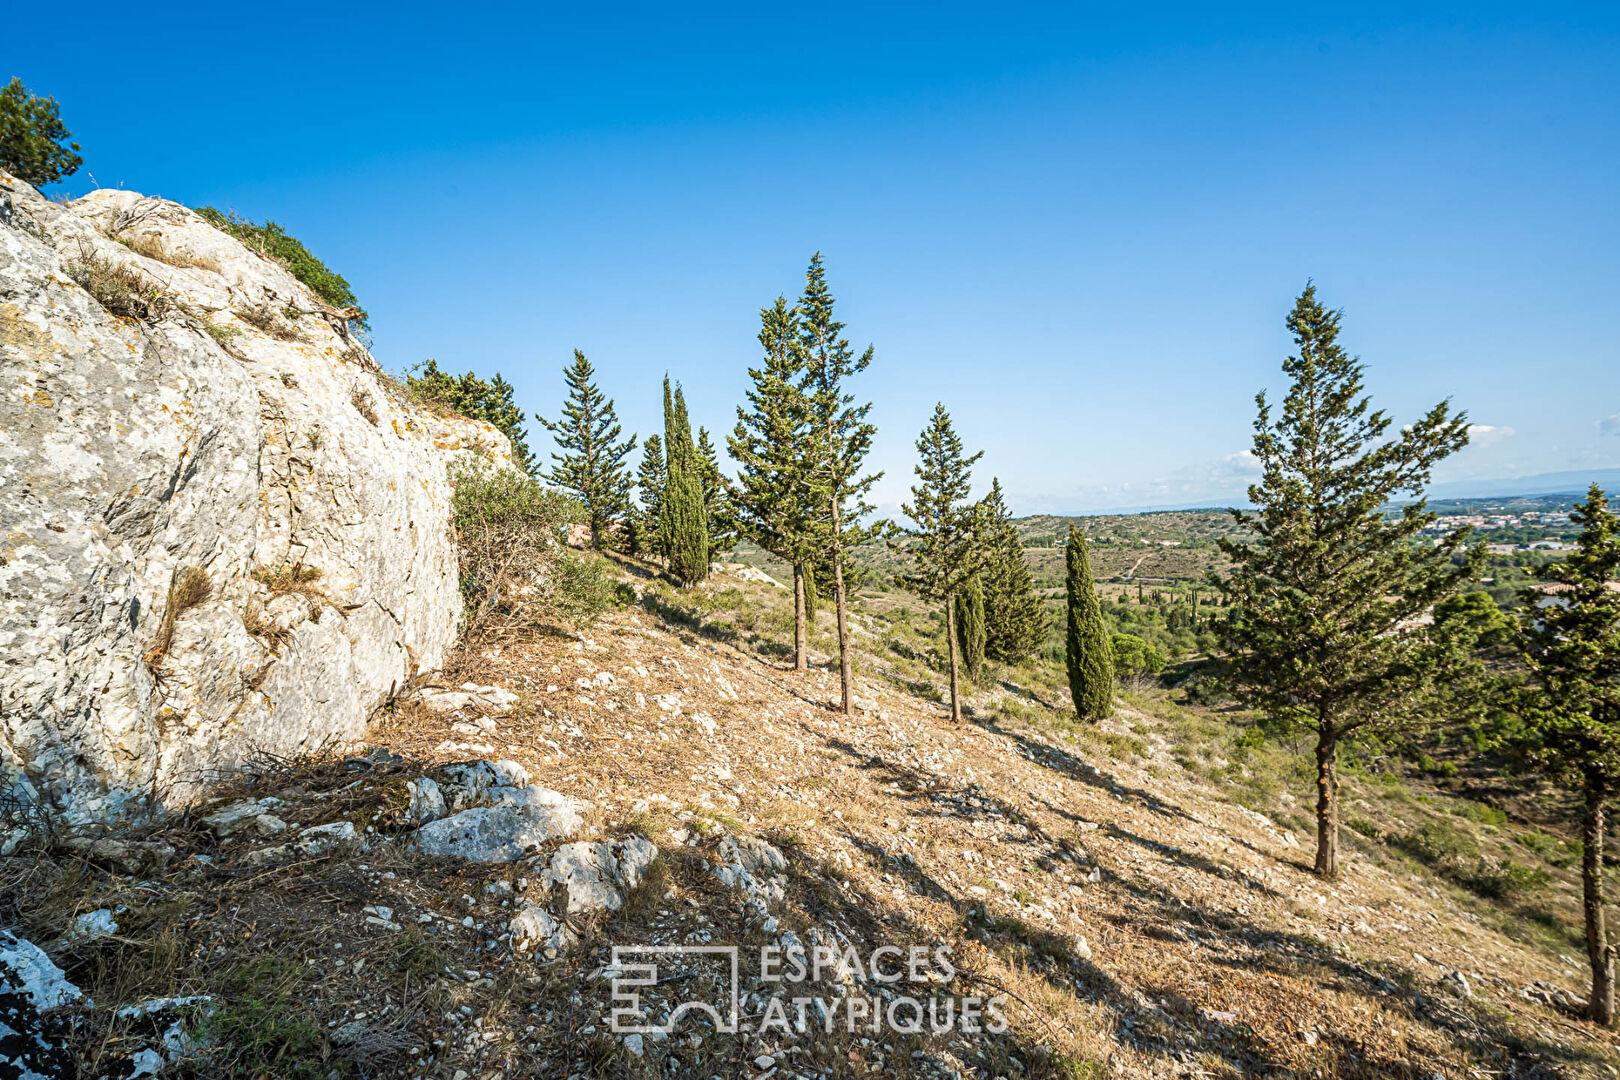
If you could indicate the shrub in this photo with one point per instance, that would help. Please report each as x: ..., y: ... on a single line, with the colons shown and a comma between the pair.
x: 1135, y: 661
x: 516, y: 569
x: 272, y: 240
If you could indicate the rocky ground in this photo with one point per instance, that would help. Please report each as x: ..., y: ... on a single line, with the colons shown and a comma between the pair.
x: 446, y: 900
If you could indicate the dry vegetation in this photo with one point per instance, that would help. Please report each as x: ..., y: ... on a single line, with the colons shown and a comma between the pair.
x: 189, y: 588
x: 1140, y: 889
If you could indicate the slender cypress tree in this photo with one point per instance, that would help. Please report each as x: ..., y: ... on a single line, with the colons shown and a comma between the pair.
x: 970, y: 631
x: 1089, y: 654
x: 651, y: 479
x: 1571, y: 641
x: 812, y: 594
x: 591, y: 466
x: 840, y: 438
x: 1320, y: 634
x: 1014, y: 617
x: 684, y: 521
x: 944, y: 539
x: 776, y: 503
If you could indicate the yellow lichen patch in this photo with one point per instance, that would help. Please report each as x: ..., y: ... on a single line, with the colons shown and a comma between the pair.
x: 40, y: 398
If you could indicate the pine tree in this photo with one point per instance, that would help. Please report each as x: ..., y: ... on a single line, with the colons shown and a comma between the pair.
x: 720, y: 511
x: 1320, y: 634
x: 775, y: 500
x: 34, y: 144
x: 1089, y: 655
x: 840, y: 439
x: 1571, y: 710
x: 651, y: 478
x: 684, y: 523
x: 970, y: 631
x: 476, y: 399
x: 943, y: 541
x: 1014, y: 617
x: 591, y: 466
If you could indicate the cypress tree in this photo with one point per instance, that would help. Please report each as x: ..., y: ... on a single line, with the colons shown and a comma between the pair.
x: 651, y: 479
x: 1014, y: 617
x: 1571, y: 642
x: 1320, y: 635
x: 776, y: 503
x: 1089, y: 654
x: 970, y: 630
x: 944, y: 539
x: 591, y: 466
x: 684, y: 522
x: 811, y: 593
x: 840, y: 438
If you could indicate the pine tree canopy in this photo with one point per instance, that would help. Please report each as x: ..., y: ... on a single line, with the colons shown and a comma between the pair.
x: 1014, y: 617
x: 943, y: 540
x: 1088, y: 648
x: 684, y: 520
x: 775, y: 499
x: 468, y: 395
x: 33, y: 140
x: 651, y: 478
x: 1329, y: 578
x: 591, y: 464
x: 1571, y: 642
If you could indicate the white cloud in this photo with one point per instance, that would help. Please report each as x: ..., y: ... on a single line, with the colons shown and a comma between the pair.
x: 1485, y: 434
x: 1610, y: 425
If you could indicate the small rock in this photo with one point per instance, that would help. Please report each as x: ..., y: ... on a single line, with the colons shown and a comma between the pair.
x: 1457, y: 983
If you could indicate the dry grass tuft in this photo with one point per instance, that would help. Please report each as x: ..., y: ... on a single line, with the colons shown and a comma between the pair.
x: 264, y: 317
x: 148, y: 245
x: 363, y: 405
x: 122, y: 289
x: 189, y: 588
x: 296, y: 578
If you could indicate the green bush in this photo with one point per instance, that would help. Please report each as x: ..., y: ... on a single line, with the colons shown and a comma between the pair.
x: 272, y: 240
x: 1135, y: 660
x: 516, y: 570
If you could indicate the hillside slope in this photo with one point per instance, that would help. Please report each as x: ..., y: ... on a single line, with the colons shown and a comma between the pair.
x: 1138, y: 921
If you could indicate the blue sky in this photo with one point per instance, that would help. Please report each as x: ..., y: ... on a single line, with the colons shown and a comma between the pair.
x: 1077, y: 227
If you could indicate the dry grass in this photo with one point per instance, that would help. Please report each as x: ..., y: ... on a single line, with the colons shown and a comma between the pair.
x: 150, y: 246
x: 363, y: 404
x: 296, y: 578
x: 119, y: 287
x: 190, y: 587
x: 265, y: 317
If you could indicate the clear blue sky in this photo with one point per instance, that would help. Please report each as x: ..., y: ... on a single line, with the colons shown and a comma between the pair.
x: 1080, y: 229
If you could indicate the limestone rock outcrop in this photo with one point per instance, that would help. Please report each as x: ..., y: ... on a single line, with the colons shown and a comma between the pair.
x: 222, y: 528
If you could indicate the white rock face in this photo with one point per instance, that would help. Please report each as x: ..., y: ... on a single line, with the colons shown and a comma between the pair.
x: 132, y: 450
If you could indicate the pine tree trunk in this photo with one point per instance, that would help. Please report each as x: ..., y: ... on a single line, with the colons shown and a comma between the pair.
x: 1598, y: 949
x: 846, y: 664
x: 801, y: 646
x: 1327, y: 805
x: 950, y: 643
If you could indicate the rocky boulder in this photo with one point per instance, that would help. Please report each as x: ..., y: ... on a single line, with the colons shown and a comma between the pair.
x: 224, y: 528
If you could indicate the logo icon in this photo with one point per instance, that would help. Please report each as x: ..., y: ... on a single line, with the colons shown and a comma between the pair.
x: 629, y: 1016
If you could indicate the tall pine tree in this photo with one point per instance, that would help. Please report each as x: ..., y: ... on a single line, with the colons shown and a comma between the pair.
x: 684, y: 520
x: 1571, y: 641
x: 1087, y: 648
x: 970, y: 630
x: 1319, y: 632
x: 651, y: 478
x: 718, y: 506
x: 840, y: 438
x: 1014, y: 617
x: 943, y: 540
x: 591, y: 466
x: 777, y: 504
x: 472, y: 397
